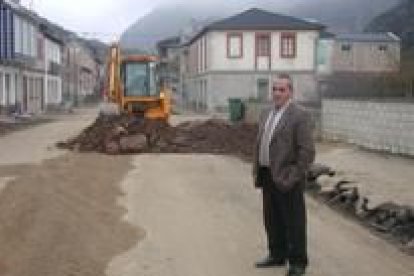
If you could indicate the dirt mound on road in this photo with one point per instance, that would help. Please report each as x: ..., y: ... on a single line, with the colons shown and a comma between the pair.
x: 121, y: 135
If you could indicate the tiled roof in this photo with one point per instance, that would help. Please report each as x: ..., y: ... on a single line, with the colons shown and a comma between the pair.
x: 257, y: 19
x: 368, y: 37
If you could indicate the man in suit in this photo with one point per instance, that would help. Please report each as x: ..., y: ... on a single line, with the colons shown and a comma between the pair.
x: 283, y: 153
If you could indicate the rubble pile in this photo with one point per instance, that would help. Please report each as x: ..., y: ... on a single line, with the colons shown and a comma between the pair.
x: 391, y: 219
x: 212, y: 136
x: 121, y: 135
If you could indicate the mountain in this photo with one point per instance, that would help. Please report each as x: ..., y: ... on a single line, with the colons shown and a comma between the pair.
x: 166, y: 21
x: 343, y: 16
x: 171, y: 19
x: 399, y: 20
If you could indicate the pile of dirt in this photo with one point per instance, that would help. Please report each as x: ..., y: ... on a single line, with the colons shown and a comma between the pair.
x: 121, y: 135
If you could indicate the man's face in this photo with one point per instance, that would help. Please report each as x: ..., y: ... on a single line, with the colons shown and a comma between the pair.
x: 281, y: 92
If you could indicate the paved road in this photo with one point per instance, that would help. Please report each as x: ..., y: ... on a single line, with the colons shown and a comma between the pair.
x: 35, y: 144
x: 203, y: 218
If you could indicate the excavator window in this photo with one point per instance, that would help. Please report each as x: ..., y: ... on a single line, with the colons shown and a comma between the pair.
x: 139, y: 79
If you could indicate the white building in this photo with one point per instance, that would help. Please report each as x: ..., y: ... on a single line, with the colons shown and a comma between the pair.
x: 20, y: 68
x: 29, y: 62
x: 238, y: 56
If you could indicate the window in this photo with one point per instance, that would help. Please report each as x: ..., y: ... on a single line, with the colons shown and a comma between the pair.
x: 54, y: 90
x: 288, y: 45
x: 40, y: 48
x: 25, y: 37
x: 234, y: 45
x: 322, y: 56
x: 33, y: 40
x: 7, y: 86
x: 139, y: 79
x: 263, y: 45
x: 346, y: 47
x: 382, y: 48
x: 52, y: 51
x: 1, y: 89
x: 18, y: 37
x: 263, y: 90
x: 25, y: 41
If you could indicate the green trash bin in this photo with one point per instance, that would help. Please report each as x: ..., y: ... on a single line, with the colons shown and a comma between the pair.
x: 236, y: 109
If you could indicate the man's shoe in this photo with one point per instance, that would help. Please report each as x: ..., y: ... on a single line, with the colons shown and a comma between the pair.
x: 296, y: 271
x: 269, y: 262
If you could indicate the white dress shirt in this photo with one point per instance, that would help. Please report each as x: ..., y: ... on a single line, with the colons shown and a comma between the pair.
x: 272, y: 122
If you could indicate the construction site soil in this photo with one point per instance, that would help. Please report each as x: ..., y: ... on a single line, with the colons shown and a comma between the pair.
x: 121, y: 135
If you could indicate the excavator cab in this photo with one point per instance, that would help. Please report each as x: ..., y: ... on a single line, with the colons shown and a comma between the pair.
x: 134, y: 86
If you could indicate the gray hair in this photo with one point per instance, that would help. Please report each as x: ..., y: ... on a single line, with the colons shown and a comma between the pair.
x: 285, y: 76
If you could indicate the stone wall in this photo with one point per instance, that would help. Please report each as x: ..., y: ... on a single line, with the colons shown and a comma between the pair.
x: 374, y: 124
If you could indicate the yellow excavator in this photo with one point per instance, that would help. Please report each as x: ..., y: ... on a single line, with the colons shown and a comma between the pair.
x: 133, y: 86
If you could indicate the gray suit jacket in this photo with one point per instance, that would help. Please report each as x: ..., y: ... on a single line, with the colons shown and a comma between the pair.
x: 292, y: 148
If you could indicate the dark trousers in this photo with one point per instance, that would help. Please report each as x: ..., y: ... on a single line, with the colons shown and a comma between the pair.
x: 285, y: 221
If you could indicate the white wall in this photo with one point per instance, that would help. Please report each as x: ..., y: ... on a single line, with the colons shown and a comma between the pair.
x: 379, y: 125
x: 304, y: 60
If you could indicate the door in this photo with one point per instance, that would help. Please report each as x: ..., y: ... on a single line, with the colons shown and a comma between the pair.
x: 7, y: 82
x: 25, y: 94
x: 42, y: 96
x: 263, y: 90
x: 1, y: 93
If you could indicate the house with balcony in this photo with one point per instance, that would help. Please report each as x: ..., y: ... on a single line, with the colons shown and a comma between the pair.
x: 52, y: 45
x: 30, y: 58
x: 237, y: 57
x: 81, y: 72
x: 20, y: 67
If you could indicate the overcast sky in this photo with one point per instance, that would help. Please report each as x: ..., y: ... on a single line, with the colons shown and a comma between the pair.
x: 101, y: 18
x: 104, y: 19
